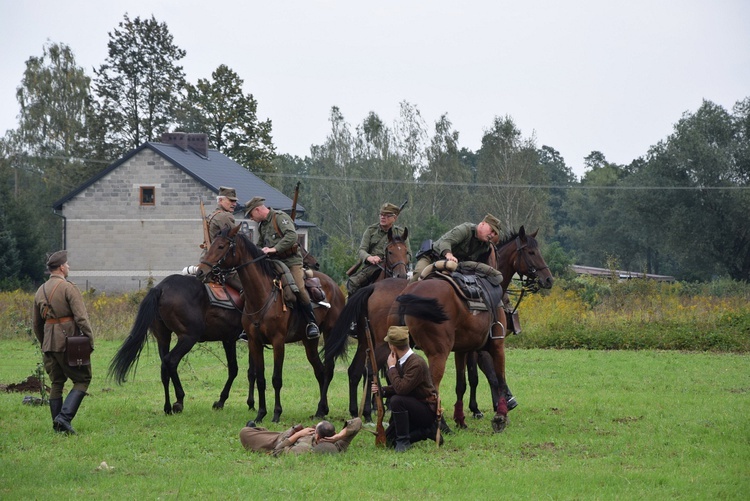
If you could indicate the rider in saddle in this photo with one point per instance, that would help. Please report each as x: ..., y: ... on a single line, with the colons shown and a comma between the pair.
x: 277, y: 237
x: 220, y: 219
x: 465, y: 242
x: 371, y: 251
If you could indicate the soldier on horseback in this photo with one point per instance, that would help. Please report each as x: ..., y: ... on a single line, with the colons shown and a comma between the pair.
x: 277, y: 237
x: 223, y: 217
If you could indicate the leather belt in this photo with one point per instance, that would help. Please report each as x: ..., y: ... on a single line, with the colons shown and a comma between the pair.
x: 58, y: 320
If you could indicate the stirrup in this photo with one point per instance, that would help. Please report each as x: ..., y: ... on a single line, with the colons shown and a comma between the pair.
x: 311, y: 326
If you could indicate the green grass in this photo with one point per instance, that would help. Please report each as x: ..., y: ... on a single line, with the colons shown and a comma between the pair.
x: 590, y: 425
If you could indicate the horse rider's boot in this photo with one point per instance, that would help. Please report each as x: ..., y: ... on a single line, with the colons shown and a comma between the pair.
x: 55, y: 406
x: 401, y: 422
x: 69, y: 410
x: 312, y: 330
x: 510, y: 400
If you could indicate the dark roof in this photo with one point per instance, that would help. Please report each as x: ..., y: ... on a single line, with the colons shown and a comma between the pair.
x: 213, y: 171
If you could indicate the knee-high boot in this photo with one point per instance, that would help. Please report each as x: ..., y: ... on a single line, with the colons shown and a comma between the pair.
x: 401, y: 421
x: 69, y: 410
x: 311, y: 330
x: 55, y: 406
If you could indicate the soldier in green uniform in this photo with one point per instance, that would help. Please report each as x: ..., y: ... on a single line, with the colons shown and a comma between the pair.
x: 371, y: 251
x: 277, y: 237
x: 58, y: 313
x: 465, y: 242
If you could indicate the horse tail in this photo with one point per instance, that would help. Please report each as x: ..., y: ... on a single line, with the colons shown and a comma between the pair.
x: 131, y: 348
x: 421, y: 307
x: 351, y: 314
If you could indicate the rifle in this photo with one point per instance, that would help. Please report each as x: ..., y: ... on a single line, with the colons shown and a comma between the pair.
x: 294, y: 201
x: 351, y: 271
x: 206, y: 240
x: 379, y: 430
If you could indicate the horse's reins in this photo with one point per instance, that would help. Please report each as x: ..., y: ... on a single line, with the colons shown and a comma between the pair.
x: 271, y: 297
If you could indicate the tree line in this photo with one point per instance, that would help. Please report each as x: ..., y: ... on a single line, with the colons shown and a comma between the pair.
x: 680, y: 209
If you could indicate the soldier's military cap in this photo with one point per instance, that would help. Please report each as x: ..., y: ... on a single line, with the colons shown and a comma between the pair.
x: 389, y: 209
x: 230, y: 193
x: 252, y: 204
x: 397, y: 335
x: 493, y: 222
x: 57, y: 259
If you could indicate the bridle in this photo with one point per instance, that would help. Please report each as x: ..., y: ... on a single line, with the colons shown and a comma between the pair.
x: 389, y: 267
x: 531, y: 282
x: 217, y: 267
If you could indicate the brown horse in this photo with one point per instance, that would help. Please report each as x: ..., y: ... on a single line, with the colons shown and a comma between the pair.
x: 267, y: 319
x: 440, y: 321
x: 179, y: 304
x: 396, y: 257
x: 518, y: 253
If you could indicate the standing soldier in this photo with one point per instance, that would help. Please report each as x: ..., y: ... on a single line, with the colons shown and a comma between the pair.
x: 277, y: 237
x: 58, y: 313
x: 371, y: 251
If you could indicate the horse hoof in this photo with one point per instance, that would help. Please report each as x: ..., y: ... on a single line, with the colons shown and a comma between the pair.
x: 478, y: 415
x: 218, y: 406
x: 177, y: 408
x: 499, y: 422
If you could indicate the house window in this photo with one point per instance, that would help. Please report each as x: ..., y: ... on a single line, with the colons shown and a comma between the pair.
x: 148, y: 195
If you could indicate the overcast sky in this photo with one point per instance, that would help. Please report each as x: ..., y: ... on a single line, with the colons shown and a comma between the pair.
x: 606, y: 75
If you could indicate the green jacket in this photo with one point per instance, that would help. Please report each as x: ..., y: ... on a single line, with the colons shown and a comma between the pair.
x: 269, y: 237
x: 462, y: 242
x: 375, y: 240
x: 219, y: 220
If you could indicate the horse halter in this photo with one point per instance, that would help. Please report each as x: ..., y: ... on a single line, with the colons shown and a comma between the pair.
x: 531, y: 282
x: 388, y: 267
x: 217, y: 267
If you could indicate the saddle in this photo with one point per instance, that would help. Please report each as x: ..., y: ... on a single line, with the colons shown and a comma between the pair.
x: 476, y: 283
x: 224, y: 296
x: 289, y: 286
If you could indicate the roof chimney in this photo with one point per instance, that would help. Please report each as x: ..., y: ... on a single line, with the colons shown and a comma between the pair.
x: 198, y: 142
x: 179, y: 139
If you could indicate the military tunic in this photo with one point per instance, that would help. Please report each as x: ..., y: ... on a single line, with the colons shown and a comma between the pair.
x: 219, y: 220
x: 460, y: 241
x: 65, y: 312
x: 374, y: 242
x: 284, y: 243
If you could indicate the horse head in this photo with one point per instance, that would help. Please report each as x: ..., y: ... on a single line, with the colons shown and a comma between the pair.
x: 529, y: 262
x: 396, y: 255
x: 222, y: 253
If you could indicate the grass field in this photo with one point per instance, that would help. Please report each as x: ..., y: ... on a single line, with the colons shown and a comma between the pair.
x: 590, y: 425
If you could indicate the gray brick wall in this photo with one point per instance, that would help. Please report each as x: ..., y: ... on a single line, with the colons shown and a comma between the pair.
x: 115, y: 243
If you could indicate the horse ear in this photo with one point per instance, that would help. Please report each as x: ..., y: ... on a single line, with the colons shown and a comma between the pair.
x: 390, y: 234
x: 233, y: 231
x: 522, y: 232
x: 405, y: 235
x: 533, y: 235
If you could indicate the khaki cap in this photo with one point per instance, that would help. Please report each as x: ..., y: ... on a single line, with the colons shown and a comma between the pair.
x: 252, y: 204
x: 398, y: 335
x: 388, y: 208
x: 57, y: 259
x: 493, y: 222
x: 228, y: 192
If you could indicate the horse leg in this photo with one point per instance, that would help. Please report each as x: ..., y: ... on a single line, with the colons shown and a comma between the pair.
x: 256, y: 373
x: 169, y: 366
x: 458, y: 408
x: 486, y: 365
x: 355, y: 374
x: 500, y: 420
x: 277, y: 378
x: 471, y: 369
x: 230, y: 350
x: 163, y: 352
x: 311, y: 350
x: 436, y: 364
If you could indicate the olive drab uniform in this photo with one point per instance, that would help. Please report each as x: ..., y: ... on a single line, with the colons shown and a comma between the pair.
x: 59, y: 312
x: 461, y: 241
x: 278, y: 231
x: 374, y: 242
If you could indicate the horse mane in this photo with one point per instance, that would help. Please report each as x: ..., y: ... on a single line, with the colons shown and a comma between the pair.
x: 513, y: 235
x: 255, y: 252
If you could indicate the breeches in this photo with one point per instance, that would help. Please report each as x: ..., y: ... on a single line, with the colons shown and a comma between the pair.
x: 59, y: 372
x: 422, y: 263
x: 299, y: 278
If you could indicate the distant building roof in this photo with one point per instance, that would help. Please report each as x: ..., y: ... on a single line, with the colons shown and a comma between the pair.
x: 212, y: 170
x: 623, y: 275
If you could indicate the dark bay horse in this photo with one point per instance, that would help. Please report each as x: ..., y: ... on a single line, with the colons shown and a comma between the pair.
x: 268, y: 320
x: 516, y: 254
x: 179, y: 304
x: 440, y: 321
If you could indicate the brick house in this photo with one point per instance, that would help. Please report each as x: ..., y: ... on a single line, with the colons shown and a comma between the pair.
x: 140, y: 217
